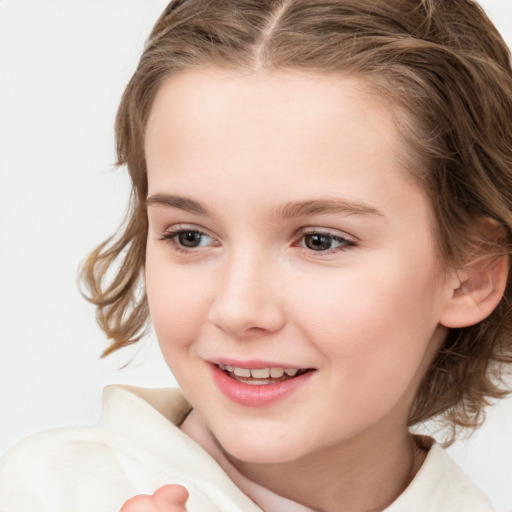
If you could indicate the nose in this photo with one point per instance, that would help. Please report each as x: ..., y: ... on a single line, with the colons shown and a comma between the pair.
x: 248, y: 302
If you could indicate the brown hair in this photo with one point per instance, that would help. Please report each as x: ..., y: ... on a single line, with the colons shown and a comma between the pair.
x: 441, y: 61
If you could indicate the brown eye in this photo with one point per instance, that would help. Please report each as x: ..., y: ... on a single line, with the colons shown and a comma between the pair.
x: 186, y: 240
x: 190, y: 238
x: 320, y: 242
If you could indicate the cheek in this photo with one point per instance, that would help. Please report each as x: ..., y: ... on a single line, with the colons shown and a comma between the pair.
x: 373, y: 327
x: 177, y: 305
x: 356, y: 301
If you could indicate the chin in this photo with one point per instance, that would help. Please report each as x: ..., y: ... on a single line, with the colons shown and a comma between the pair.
x: 259, y: 449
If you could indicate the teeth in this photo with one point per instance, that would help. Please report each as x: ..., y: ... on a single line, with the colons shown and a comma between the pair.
x: 242, y: 372
x: 259, y: 373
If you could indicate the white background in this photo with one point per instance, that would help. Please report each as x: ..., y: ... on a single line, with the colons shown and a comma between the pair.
x: 63, y: 67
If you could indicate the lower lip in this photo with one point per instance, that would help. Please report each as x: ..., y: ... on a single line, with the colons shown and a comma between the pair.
x: 254, y: 395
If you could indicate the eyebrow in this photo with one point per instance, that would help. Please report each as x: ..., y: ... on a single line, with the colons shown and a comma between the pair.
x: 288, y: 210
x: 182, y: 203
x: 323, y: 206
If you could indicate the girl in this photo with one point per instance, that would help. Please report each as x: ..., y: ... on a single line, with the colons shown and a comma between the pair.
x: 320, y: 231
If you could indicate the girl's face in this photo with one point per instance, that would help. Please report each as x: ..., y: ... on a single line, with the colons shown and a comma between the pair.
x: 285, y: 234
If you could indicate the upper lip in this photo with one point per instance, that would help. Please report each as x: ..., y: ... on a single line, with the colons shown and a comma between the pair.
x: 255, y: 363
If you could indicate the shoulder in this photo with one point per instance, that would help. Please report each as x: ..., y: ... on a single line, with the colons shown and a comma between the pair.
x: 454, y: 488
x: 136, y: 448
x: 95, y: 467
x: 441, y: 486
x: 39, y: 472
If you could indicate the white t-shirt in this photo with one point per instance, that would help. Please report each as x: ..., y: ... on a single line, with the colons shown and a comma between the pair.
x: 137, y: 447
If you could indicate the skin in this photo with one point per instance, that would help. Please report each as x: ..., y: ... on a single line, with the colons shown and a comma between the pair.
x: 367, y: 313
x: 169, y: 498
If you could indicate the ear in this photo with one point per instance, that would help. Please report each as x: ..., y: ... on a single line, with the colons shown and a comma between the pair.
x: 475, y: 290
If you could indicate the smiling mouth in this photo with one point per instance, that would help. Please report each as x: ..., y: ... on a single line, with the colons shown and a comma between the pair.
x: 262, y: 376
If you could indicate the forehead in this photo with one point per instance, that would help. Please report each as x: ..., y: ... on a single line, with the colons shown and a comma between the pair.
x: 271, y: 97
x: 301, y: 133
x: 279, y: 111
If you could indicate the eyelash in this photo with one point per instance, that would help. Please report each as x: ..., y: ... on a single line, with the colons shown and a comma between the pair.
x: 345, y: 243
x: 171, y: 237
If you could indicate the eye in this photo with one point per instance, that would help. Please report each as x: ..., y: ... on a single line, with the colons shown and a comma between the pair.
x: 190, y: 238
x: 185, y: 239
x: 323, y: 242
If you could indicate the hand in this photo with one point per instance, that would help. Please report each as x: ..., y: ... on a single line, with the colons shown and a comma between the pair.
x: 169, y: 498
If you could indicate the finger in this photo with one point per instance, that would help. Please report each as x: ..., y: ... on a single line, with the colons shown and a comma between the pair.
x: 140, y: 503
x: 171, y: 494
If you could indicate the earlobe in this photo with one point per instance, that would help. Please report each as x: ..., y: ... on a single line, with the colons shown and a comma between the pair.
x: 475, y: 292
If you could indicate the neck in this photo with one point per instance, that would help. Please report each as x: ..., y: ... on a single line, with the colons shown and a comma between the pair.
x: 362, y: 475
x: 364, y: 478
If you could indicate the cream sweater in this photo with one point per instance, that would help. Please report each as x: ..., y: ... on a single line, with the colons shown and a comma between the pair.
x: 137, y: 447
